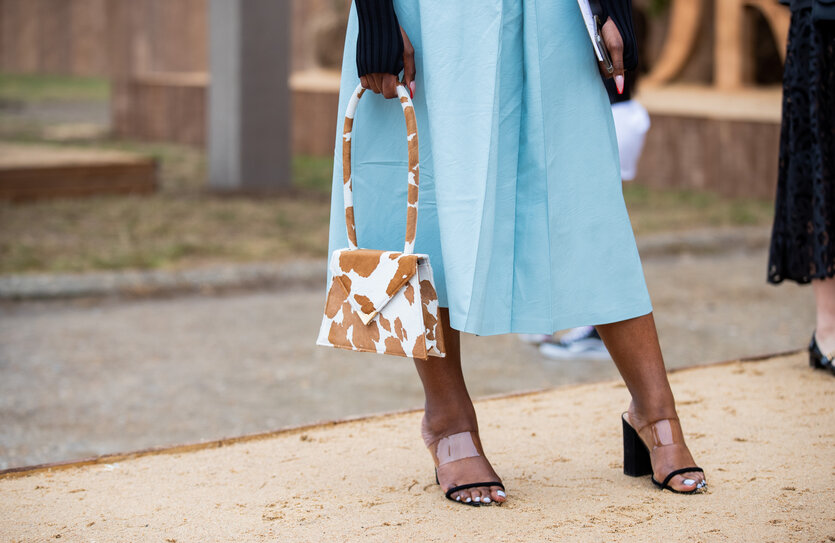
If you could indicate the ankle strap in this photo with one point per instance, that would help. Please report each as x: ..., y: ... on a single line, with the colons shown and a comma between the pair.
x: 663, y: 432
x: 454, y: 447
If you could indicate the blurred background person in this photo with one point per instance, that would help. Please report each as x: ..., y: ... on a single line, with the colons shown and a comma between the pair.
x: 803, y: 235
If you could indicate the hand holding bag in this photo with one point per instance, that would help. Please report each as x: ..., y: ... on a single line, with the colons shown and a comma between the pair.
x: 382, y: 301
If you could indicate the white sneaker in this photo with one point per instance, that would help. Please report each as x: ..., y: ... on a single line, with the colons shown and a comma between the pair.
x: 582, y: 342
x: 535, y: 339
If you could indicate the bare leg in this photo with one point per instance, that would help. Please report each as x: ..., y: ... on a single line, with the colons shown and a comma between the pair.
x: 449, y: 410
x: 825, y: 304
x: 634, y: 347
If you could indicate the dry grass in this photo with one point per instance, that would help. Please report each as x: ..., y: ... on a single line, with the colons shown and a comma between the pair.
x: 37, y: 88
x: 181, y: 225
x: 653, y: 211
x: 184, y: 225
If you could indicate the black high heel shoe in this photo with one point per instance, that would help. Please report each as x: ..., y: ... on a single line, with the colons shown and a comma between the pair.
x: 817, y: 359
x: 636, y: 458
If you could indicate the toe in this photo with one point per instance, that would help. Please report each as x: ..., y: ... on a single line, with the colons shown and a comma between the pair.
x: 486, y: 495
x: 466, y: 496
x: 497, y: 494
x: 481, y: 494
x: 686, y: 482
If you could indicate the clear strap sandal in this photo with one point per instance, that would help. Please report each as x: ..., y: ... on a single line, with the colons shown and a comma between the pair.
x: 453, y: 448
x: 636, y: 451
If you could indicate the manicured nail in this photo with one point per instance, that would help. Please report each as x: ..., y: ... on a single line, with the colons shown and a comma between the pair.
x: 501, y: 493
x: 468, y: 500
x: 486, y: 500
x: 689, y: 482
x: 477, y: 499
x: 619, y: 83
x: 412, y: 88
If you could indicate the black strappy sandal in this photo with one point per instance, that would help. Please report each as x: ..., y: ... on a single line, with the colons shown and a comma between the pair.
x: 458, y: 447
x: 636, y: 458
x: 455, y: 489
x: 817, y: 359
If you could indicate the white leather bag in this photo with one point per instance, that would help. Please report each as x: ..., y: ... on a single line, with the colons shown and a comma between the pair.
x: 382, y: 301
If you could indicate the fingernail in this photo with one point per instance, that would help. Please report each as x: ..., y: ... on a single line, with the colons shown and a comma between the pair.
x: 468, y: 500
x: 619, y: 83
x: 689, y: 482
x: 412, y: 88
x: 501, y: 493
x: 477, y: 499
x: 486, y: 500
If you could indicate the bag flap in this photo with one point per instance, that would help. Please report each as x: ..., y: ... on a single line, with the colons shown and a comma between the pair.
x: 371, y: 278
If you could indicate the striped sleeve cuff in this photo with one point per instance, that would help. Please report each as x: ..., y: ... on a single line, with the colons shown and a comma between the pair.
x: 380, y: 44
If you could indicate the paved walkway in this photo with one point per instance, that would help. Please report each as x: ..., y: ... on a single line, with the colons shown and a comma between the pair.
x: 94, y: 376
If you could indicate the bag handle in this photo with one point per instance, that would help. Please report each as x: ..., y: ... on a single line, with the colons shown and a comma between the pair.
x: 413, y: 174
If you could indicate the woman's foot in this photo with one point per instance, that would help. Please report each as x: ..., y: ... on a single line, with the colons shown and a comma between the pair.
x: 668, y: 452
x: 456, y: 450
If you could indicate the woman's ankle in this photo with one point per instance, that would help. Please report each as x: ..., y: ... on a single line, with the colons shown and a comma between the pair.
x: 438, y: 423
x: 825, y: 337
x: 643, y: 413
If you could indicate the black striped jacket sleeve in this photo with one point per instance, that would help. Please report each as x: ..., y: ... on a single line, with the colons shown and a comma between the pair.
x: 379, y: 45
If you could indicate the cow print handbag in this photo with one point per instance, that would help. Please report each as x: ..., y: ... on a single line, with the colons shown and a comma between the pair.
x: 382, y: 301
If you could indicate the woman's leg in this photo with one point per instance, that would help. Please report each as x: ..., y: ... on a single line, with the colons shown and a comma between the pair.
x: 449, y: 410
x: 634, y: 347
x: 825, y: 305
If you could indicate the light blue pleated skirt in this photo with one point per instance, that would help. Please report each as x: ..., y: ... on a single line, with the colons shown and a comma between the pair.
x: 521, y: 207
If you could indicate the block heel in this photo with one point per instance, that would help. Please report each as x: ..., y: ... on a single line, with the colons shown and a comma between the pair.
x: 636, y: 462
x: 636, y: 457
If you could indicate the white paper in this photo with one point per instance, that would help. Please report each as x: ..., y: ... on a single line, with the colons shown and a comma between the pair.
x: 588, y: 19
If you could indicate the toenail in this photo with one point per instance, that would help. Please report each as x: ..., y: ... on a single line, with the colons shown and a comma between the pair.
x: 501, y: 493
x: 486, y: 500
x: 458, y: 498
x: 477, y: 499
x: 689, y: 482
x: 468, y: 500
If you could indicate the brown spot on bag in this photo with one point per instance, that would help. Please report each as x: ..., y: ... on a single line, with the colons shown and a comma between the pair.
x: 409, y: 293
x: 336, y: 296
x: 393, y: 347
x: 366, y: 305
x: 406, y: 267
x: 362, y: 261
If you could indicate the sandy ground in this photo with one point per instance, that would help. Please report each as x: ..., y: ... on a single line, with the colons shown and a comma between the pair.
x: 88, y: 378
x: 763, y: 431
